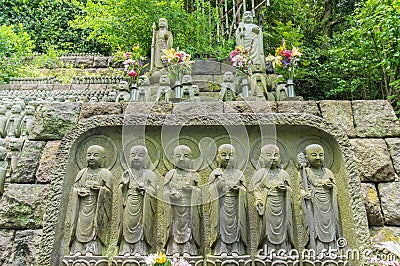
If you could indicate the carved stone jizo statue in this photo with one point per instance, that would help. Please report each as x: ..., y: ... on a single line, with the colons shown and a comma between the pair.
x: 164, y: 90
x: 91, y: 205
x: 228, y: 208
x: 138, y: 186
x: 162, y: 39
x: 273, y: 200
x: 320, y: 200
x: 228, y: 88
x: 182, y: 210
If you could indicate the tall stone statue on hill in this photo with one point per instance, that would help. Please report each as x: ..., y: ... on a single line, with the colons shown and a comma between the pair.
x: 91, y: 205
x: 138, y: 186
x: 162, y: 39
x: 320, y: 200
x: 250, y: 37
x: 228, y: 208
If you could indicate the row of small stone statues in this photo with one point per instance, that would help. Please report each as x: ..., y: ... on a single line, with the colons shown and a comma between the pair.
x: 183, y: 197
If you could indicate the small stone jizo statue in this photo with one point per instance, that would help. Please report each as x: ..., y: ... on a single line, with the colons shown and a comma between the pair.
x: 162, y: 39
x: 228, y: 88
x: 164, y: 90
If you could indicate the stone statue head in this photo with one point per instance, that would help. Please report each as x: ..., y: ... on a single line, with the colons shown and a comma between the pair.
x: 93, y: 99
x: 16, y: 109
x: 3, y: 109
x: 248, y: 17
x: 186, y: 79
x: 183, y: 157
x: 95, y: 156
x: 257, y: 68
x: 123, y: 85
x: 144, y: 81
x: 112, y: 96
x: 270, y: 156
x: 139, y: 157
x: 164, y: 80
x: 15, y: 144
x: 314, y: 154
x: 3, y: 153
x: 163, y: 23
x: 225, y: 156
x: 30, y: 110
x: 228, y: 76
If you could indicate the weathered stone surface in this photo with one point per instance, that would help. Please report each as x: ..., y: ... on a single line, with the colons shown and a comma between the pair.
x: 68, y: 60
x: 22, y: 206
x: 101, y: 61
x: 394, y: 150
x: 307, y: 107
x: 382, y: 234
x: 97, y: 86
x: 26, y: 247
x: 390, y: 199
x: 47, y: 162
x: 6, y: 245
x: 28, y: 162
x: 134, y: 108
x: 373, y: 160
x: 101, y: 108
x: 249, y: 107
x: 198, y: 108
x: 375, y: 119
x: 372, y: 204
x: 53, y: 120
x: 201, y: 67
x: 79, y: 86
x: 62, y: 86
x: 86, y: 61
x: 340, y: 114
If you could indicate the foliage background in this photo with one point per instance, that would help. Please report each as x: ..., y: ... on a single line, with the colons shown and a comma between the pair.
x: 351, y: 47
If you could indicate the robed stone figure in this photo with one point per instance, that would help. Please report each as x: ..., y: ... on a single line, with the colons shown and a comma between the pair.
x: 91, y: 205
x: 273, y: 199
x: 228, y: 210
x: 182, y: 208
x: 320, y: 202
x: 138, y: 186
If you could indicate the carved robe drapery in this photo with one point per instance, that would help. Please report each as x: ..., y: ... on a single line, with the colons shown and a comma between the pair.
x: 228, y: 213
x: 182, y: 215
x: 139, y: 210
x: 276, y: 222
x: 323, y: 227
x: 91, y: 215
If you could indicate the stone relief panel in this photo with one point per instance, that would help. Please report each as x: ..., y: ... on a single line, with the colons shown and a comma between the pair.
x: 205, y: 194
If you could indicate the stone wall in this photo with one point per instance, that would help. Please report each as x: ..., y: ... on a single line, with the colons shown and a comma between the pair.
x: 372, y: 127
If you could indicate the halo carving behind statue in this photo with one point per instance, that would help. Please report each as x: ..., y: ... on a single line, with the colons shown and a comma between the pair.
x: 262, y: 141
x: 192, y: 143
x: 153, y: 149
x: 107, y: 143
x: 304, y: 142
x: 240, y: 156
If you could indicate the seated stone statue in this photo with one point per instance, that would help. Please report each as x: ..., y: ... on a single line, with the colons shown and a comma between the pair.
x: 228, y: 88
x: 228, y: 208
x: 3, y: 168
x: 3, y: 121
x: 138, y: 186
x: 162, y: 39
x: 187, y: 91
x: 280, y: 92
x: 164, y: 90
x: 142, y: 93
x: 27, y: 121
x: 112, y: 96
x: 91, y: 205
x: 320, y: 201
x: 273, y: 200
x: 14, y: 122
x: 261, y: 83
x: 182, y: 211
x: 250, y: 37
x: 123, y: 94
x: 14, y: 147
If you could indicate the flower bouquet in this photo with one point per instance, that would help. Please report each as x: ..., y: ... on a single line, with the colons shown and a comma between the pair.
x: 161, y: 259
x: 133, y: 64
x: 177, y: 62
x: 285, y: 61
x: 240, y: 59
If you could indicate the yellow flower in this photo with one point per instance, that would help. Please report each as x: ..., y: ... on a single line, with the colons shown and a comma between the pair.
x: 162, y: 258
x: 170, y: 53
x: 296, y: 52
x: 270, y: 57
x: 279, y: 50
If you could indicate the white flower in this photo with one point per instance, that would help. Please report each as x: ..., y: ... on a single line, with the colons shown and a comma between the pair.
x: 150, y: 259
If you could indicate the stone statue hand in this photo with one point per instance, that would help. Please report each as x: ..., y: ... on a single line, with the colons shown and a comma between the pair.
x: 187, y: 187
x: 175, y: 194
x: 306, y: 194
x: 328, y: 184
x: 281, y: 187
x: 94, y: 185
x: 260, y: 208
x: 83, y: 192
x: 234, y: 187
x: 255, y: 29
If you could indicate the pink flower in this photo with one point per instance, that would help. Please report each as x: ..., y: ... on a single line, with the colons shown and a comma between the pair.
x: 132, y: 73
x: 287, y: 53
x: 127, y: 55
x: 234, y: 53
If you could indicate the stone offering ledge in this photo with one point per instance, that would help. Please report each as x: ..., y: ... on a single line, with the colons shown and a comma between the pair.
x: 372, y: 127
